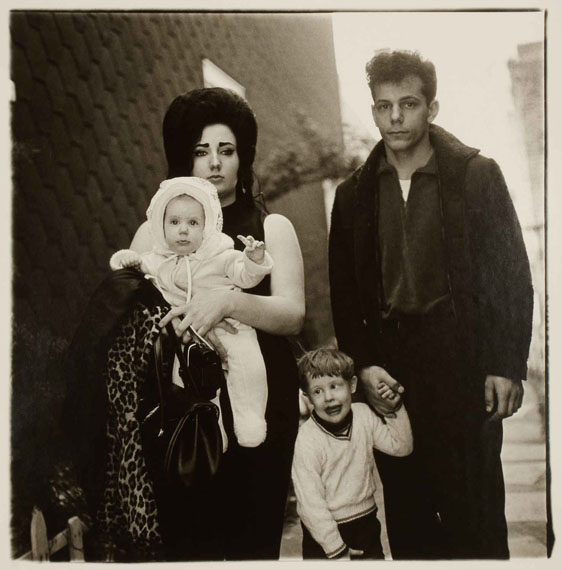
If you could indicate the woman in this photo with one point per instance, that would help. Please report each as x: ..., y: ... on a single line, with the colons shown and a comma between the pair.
x: 212, y: 134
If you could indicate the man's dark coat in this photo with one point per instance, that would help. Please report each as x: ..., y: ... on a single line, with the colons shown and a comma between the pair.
x: 487, y: 264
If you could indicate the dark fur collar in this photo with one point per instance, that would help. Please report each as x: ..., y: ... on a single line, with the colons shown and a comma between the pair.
x: 448, y: 149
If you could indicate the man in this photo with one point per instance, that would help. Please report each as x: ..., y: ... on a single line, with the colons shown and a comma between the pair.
x: 431, y: 292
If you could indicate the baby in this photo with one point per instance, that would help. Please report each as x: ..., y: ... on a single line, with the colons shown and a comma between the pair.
x: 191, y: 253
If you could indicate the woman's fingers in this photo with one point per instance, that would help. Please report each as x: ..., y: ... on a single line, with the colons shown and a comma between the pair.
x: 185, y: 337
x: 226, y: 326
x: 172, y: 314
x: 202, y: 313
x: 203, y: 330
x: 213, y: 339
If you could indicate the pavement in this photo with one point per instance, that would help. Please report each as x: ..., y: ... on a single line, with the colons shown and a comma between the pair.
x: 524, y: 465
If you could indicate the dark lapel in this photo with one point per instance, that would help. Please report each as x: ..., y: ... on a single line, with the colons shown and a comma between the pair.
x: 365, y: 231
x: 452, y: 159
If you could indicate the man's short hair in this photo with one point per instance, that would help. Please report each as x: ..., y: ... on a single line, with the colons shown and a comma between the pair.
x: 324, y: 362
x: 394, y: 66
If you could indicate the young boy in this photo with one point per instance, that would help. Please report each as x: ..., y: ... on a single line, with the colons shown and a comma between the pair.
x: 333, y: 464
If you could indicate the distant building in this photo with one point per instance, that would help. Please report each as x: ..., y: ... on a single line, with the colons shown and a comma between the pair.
x: 527, y: 79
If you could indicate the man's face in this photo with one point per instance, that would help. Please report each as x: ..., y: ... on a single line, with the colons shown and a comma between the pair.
x: 402, y: 113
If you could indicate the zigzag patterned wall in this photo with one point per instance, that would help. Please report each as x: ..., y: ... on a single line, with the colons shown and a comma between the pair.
x: 91, y: 91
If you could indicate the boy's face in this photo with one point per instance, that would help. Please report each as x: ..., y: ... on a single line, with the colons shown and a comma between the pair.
x: 184, y: 221
x: 331, y: 396
x: 402, y: 113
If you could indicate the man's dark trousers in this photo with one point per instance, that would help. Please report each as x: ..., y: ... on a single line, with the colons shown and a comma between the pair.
x: 447, y: 499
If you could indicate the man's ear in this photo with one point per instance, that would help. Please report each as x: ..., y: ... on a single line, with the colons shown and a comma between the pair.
x: 433, y: 110
x: 353, y: 384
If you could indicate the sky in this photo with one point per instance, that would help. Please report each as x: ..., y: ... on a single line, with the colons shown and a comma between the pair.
x: 470, y: 52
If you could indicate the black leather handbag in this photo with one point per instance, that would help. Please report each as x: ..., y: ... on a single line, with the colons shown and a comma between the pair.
x: 181, y: 435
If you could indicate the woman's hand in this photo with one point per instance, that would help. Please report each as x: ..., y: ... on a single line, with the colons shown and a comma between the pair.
x: 214, y: 341
x: 205, y: 311
x: 175, y: 317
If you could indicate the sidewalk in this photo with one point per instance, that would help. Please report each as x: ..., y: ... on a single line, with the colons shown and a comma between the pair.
x: 524, y: 466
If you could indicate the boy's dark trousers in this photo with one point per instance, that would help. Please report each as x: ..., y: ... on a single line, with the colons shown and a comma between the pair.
x: 447, y: 499
x: 363, y: 534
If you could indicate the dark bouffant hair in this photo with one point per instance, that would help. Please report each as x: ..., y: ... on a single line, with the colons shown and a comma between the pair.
x: 324, y: 362
x: 187, y: 116
x: 394, y: 66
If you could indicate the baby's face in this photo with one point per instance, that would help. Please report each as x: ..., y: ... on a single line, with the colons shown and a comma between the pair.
x: 184, y: 221
x: 331, y: 396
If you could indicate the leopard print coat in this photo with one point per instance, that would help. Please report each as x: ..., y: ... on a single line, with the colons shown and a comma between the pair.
x: 127, y: 518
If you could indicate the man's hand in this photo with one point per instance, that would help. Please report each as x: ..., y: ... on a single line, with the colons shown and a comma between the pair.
x: 507, y: 394
x: 371, y: 378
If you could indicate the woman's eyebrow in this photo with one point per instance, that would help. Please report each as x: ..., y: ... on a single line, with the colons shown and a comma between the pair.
x: 206, y: 145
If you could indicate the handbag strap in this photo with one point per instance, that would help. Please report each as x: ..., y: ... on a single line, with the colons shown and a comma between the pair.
x: 165, y: 381
x: 158, y: 364
x: 189, y: 382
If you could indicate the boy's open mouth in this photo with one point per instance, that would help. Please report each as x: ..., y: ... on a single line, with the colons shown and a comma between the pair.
x: 333, y: 410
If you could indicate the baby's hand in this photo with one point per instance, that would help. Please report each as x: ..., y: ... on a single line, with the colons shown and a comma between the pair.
x: 254, y: 250
x: 126, y: 258
x: 386, y: 392
x: 130, y: 259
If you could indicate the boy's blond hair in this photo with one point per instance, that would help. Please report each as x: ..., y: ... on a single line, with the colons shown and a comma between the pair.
x: 324, y: 362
